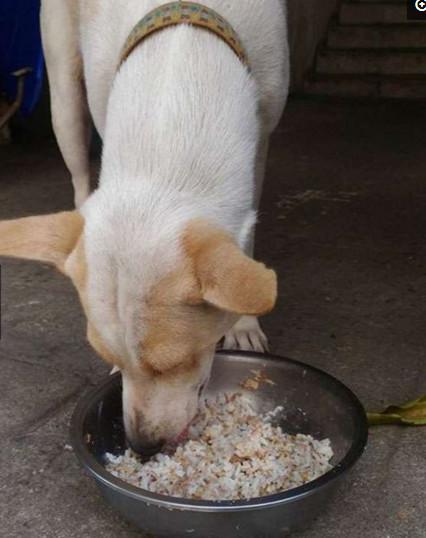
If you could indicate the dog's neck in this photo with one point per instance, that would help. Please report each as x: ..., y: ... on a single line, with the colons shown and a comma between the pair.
x: 182, y: 116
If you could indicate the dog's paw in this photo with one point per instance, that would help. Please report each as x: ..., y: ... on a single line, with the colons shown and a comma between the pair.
x: 247, y: 335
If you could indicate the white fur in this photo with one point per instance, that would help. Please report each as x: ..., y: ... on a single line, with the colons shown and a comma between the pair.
x: 184, y: 126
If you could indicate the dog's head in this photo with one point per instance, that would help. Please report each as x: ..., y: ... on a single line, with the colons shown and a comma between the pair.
x: 155, y: 309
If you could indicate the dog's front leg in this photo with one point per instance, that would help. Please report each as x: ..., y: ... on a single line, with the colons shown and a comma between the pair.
x: 70, y: 113
x: 247, y: 335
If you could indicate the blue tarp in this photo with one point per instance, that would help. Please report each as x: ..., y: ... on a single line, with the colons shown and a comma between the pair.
x: 20, y: 46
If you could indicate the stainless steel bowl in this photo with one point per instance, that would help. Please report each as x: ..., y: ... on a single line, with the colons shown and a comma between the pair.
x: 315, y: 403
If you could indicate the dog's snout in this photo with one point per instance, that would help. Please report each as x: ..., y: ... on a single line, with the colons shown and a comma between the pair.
x: 146, y: 450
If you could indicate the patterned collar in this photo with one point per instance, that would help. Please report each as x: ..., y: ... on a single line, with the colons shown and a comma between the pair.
x: 176, y: 13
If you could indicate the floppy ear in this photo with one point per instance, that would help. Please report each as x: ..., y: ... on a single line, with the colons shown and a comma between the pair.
x: 229, y: 279
x: 47, y: 238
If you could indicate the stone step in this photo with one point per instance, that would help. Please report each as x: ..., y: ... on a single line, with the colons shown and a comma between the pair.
x: 377, y: 36
x: 366, y: 87
x: 371, y: 62
x: 374, y: 13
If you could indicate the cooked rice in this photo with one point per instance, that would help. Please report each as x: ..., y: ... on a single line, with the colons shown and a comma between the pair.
x: 232, y: 453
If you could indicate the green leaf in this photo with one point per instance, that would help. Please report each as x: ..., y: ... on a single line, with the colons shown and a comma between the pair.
x: 411, y: 414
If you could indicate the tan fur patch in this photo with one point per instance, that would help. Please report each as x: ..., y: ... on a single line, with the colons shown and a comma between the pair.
x: 191, y: 308
x: 76, y: 267
x: 228, y: 278
x: 179, y: 325
x: 46, y: 238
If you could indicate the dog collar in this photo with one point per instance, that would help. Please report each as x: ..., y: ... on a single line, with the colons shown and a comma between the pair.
x: 176, y: 13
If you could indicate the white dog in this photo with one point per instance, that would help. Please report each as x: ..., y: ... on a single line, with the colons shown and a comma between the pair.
x: 161, y: 252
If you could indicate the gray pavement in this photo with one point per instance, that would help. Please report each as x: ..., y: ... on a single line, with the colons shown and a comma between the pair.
x: 343, y: 220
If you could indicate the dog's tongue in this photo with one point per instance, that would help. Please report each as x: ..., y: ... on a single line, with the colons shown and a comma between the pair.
x: 171, y: 446
x: 182, y: 437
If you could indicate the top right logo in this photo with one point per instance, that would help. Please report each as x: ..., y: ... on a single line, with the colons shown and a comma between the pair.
x: 420, y: 5
x: 416, y: 10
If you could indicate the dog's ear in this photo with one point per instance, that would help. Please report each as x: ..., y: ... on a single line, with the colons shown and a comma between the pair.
x: 228, y: 278
x: 46, y: 238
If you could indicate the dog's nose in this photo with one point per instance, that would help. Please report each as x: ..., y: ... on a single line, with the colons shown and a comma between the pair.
x: 146, y: 450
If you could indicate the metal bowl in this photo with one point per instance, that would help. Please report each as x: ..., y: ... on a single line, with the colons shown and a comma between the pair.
x: 315, y: 403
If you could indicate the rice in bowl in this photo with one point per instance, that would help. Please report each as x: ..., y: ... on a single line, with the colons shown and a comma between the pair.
x: 233, y: 453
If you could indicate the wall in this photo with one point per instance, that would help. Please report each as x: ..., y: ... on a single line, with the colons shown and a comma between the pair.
x: 307, y: 23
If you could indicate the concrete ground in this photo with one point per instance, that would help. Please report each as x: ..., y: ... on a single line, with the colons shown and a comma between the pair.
x: 343, y: 220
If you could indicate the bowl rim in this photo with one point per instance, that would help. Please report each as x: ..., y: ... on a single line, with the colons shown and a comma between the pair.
x: 106, y: 479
